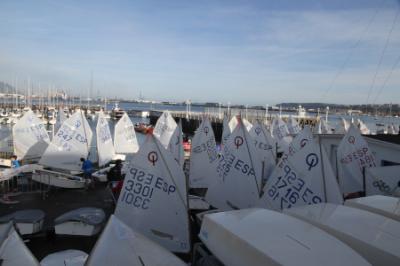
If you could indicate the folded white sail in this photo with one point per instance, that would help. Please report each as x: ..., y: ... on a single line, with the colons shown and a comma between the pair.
x: 120, y: 245
x: 153, y: 200
x: 13, y: 251
x: 165, y: 128
x: 203, y: 156
x: 353, y: 154
x: 30, y: 137
x: 69, y: 144
x: 105, y: 146
x: 266, y: 148
x: 239, y: 173
x: 175, y: 145
x: 281, y: 133
x: 303, y: 177
x: 125, y: 140
x: 293, y: 126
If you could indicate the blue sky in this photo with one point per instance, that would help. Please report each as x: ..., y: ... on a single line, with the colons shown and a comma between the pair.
x: 249, y: 52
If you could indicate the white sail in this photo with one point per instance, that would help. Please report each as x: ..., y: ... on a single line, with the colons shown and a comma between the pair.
x: 175, y: 145
x: 345, y: 124
x: 281, y: 133
x: 293, y: 126
x: 322, y: 127
x: 125, y: 140
x: 299, y: 141
x: 13, y: 251
x: 153, y: 200
x: 383, y: 180
x: 353, y: 154
x: 30, y: 137
x: 239, y: 182
x: 226, y: 130
x: 59, y: 120
x: 165, y: 128
x: 363, y: 127
x: 105, y: 147
x: 69, y: 144
x: 120, y: 245
x: 266, y: 147
x: 304, y: 177
x: 203, y: 156
x: 247, y: 124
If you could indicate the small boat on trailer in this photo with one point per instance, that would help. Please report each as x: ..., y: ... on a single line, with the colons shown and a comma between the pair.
x: 58, y: 179
x: 374, y: 236
x: 81, y: 222
x: 264, y: 237
x: 12, y: 249
x: 383, y: 205
x: 27, y: 222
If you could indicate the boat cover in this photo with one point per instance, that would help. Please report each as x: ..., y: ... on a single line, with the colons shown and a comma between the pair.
x: 88, y: 215
x: 24, y: 216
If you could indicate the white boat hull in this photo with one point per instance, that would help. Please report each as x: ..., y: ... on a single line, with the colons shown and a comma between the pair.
x: 77, y: 228
x: 58, y: 179
x: 29, y: 228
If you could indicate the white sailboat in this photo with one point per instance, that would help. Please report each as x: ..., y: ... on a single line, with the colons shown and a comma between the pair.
x: 293, y: 126
x: 153, y: 200
x: 12, y: 249
x: 165, y: 128
x: 203, y: 156
x: 30, y: 137
x: 120, y: 245
x: 105, y: 147
x: 240, y: 168
x: 64, y: 153
x: 69, y: 144
x: 125, y: 140
x: 301, y: 178
x: 353, y: 154
x: 266, y: 147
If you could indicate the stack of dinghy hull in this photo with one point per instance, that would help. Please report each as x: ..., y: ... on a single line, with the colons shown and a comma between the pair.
x: 83, y: 222
x: 383, y: 205
x: 263, y: 237
x: 27, y: 221
x: 57, y: 179
x: 120, y: 245
x: 12, y: 249
x: 68, y: 257
x: 374, y: 236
